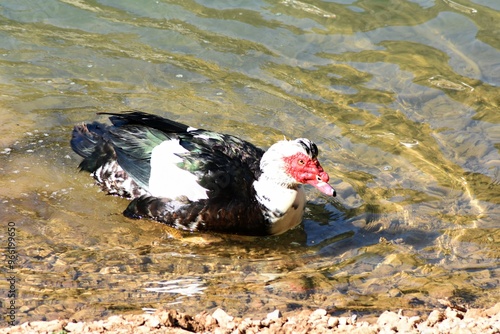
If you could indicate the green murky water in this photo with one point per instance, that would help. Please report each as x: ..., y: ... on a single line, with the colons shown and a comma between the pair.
x: 402, y: 97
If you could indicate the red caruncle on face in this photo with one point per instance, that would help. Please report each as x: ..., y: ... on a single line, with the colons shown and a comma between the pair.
x: 305, y: 169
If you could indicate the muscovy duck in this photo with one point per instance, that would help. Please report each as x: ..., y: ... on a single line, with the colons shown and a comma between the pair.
x: 196, y: 179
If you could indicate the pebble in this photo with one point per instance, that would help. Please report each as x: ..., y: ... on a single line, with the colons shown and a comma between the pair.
x: 222, y: 317
x: 451, y: 320
x: 333, y: 322
x: 387, y: 318
x: 153, y: 321
x: 318, y: 313
x: 276, y: 314
x: 76, y: 327
x: 435, y: 317
x: 24, y: 309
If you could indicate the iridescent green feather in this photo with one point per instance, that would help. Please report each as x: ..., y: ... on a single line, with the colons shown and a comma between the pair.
x: 133, y: 146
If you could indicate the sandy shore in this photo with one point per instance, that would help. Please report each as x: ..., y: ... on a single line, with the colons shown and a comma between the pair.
x: 453, y: 319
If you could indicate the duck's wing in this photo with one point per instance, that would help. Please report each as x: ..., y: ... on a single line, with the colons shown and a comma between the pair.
x: 170, y: 159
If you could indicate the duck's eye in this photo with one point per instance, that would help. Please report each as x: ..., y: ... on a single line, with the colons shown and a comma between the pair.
x: 318, y: 178
x: 301, y: 162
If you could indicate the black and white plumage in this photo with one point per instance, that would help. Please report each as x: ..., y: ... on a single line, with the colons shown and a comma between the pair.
x: 199, y: 180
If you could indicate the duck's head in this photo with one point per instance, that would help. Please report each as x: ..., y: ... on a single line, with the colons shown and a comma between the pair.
x: 293, y: 162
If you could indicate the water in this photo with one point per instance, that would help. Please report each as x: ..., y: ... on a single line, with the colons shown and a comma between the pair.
x: 401, y: 98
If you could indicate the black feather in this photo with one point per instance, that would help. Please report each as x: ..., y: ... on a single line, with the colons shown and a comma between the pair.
x: 88, y: 141
x: 148, y: 120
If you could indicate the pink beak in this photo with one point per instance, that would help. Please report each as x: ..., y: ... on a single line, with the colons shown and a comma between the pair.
x: 325, y: 188
x: 321, y: 184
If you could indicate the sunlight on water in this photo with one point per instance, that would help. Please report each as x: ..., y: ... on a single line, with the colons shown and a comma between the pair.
x: 402, y: 101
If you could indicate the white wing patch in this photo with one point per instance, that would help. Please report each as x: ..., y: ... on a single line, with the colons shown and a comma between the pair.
x: 167, y: 179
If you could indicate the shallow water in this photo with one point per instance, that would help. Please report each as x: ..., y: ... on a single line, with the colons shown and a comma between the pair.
x: 401, y: 98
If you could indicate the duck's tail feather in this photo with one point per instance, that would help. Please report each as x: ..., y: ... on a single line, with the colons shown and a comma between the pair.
x: 88, y: 141
x: 86, y: 137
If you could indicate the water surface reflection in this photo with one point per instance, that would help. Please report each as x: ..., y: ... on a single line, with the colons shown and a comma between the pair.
x: 402, y: 101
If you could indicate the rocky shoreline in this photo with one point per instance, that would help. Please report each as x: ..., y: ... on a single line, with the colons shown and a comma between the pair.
x: 453, y: 319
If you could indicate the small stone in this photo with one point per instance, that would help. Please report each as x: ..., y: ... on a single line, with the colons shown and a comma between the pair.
x: 210, y: 321
x: 113, y: 320
x: 413, y: 321
x: 449, y: 313
x: 493, y: 311
x: 265, y: 322
x: 435, y: 317
x: 153, y: 321
x: 387, y: 319
x: 276, y: 314
x: 255, y: 323
x: 244, y: 325
x: 49, y: 326
x: 333, y: 322
x: 76, y: 327
x: 319, y: 328
x: 319, y: 313
x: 316, y: 315
x: 220, y: 330
x: 445, y: 326
x: 24, y: 309
x: 474, y: 313
x: 222, y: 317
